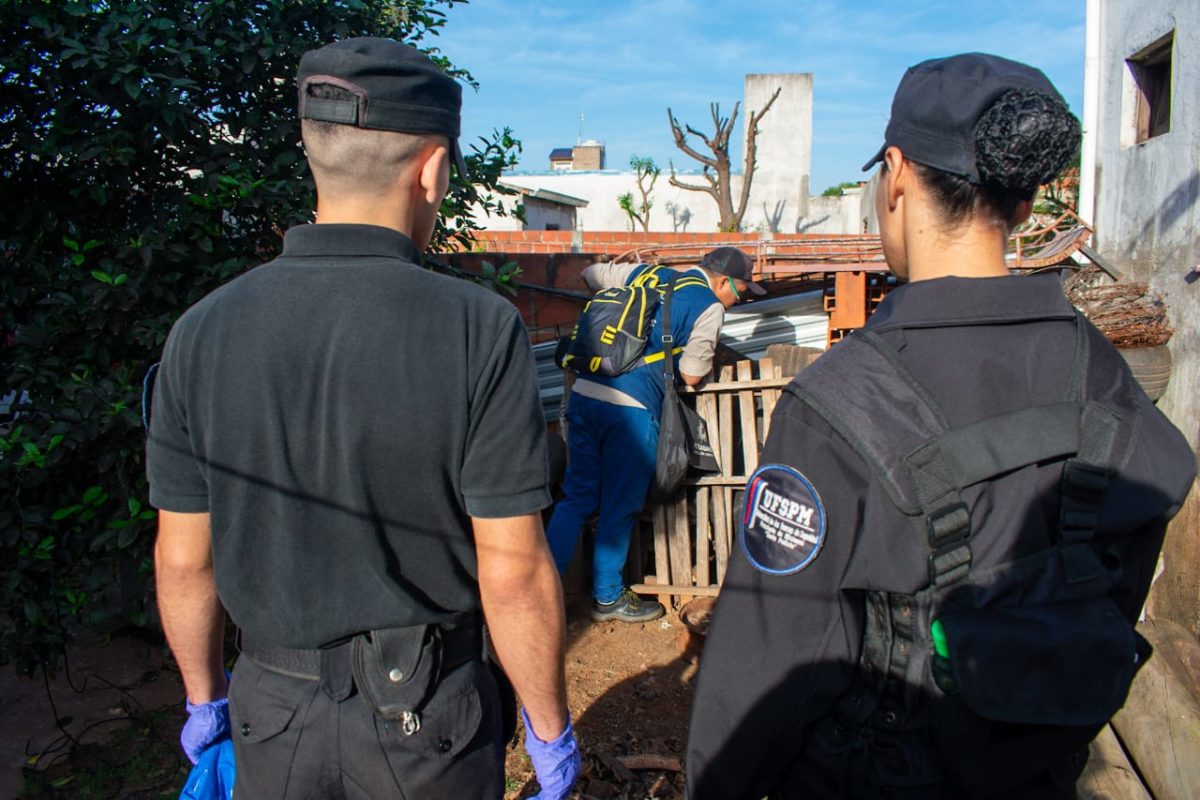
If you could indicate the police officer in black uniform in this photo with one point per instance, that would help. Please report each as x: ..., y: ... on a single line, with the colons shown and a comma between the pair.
x: 348, y: 454
x: 959, y: 508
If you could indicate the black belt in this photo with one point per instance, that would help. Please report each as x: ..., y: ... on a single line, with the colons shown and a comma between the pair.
x: 460, y: 644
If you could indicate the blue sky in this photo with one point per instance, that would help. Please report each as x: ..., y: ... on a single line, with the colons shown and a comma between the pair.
x: 622, y: 63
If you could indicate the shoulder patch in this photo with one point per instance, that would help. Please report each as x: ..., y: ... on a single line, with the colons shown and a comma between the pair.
x: 783, y: 525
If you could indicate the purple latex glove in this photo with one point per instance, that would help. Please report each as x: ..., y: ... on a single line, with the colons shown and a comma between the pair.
x: 556, y: 763
x: 207, y: 723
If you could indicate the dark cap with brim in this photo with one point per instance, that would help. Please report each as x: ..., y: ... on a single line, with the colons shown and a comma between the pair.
x: 939, y: 102
x: 734, y: 263
x: 395, y: 87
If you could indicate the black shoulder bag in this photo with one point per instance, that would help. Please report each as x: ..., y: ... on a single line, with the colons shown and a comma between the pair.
x: 682, y: 434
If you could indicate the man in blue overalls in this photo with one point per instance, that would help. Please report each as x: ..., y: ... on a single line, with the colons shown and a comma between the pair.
x: 613, y: 421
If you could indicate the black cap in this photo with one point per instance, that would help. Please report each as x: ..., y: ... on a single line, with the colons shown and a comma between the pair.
x: 939, y: 101
x: 396, y: 86
x: 734, y: 263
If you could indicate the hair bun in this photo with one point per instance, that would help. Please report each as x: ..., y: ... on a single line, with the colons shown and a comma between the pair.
x: 1024, y: 140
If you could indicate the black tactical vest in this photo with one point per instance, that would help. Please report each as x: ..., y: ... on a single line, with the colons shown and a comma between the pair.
x: 983, y: 678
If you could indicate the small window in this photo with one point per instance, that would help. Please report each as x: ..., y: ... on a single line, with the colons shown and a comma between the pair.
x: 1151, y: 71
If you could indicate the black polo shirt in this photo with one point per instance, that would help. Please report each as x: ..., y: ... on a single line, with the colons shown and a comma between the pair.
x: 341, y: 413
x: 783, y: 648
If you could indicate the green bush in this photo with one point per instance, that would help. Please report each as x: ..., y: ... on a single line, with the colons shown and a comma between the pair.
x: 836, y: 190
x: 149, y: 153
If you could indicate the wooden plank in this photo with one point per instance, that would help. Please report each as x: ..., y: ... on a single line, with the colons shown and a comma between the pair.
x: 706, y: 407
x: 725, y: 417
x: 661, y: 567
x: 680, y: 546
x: 1159, y: 727
x: 767, y: 369
x: 754, y: 383
x: 722, y: 528
x: 1109, y: 775
x: 718, y: 480
x: 681, y: 591
x: 703, y: 534
x: 1178, y: 647
x: 748, y: 418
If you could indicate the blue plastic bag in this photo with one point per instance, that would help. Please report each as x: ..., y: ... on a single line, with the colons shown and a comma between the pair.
x: 212, y: 777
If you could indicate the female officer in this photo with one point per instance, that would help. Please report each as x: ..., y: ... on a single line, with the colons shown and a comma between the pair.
x: 959, y: 508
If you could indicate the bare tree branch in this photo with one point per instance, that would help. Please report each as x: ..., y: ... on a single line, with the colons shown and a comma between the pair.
x: 682, y: 143
x: 671, y: 179
x: 717, y: 168
x: 751, y: 159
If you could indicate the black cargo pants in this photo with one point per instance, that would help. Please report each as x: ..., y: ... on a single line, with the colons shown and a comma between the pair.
x: 304, y: 738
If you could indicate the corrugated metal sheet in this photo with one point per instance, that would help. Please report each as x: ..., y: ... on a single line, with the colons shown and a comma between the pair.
x: 796, y: 319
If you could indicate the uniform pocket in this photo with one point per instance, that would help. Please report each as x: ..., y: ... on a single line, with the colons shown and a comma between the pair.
x: 449, y: 720
x: 266, y: 712
x: 1070, y: 663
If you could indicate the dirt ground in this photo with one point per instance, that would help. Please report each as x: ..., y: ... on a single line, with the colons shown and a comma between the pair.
x: 119, y: 710
x: 630, y: 693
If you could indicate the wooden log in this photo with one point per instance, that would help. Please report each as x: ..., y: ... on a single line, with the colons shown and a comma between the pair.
x: 748, y: 418
x: 1179, y: 648
x: 703, y: 536
x: 1109, y: 775
x: 1160, y: 729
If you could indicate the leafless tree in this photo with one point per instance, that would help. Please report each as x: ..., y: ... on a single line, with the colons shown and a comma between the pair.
x: 716, y: 167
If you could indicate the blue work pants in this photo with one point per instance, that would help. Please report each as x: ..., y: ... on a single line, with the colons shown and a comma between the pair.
x: 612, y: 452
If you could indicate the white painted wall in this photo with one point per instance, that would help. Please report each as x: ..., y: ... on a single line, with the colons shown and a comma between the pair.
x: 1147, y: 204
x: 779, y: 191
x: 693, y: 211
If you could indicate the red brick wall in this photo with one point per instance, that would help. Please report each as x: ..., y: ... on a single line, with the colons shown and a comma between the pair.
x: 546, y: 260
x: 547, y: 316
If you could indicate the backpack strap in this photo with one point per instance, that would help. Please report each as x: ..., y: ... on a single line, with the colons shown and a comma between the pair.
x: 897, y: 427
x: 668, y: 352
x: 651, y: 278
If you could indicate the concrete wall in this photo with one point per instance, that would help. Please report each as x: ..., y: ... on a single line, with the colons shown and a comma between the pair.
x: 1147, y: 220
x: 779, y: 193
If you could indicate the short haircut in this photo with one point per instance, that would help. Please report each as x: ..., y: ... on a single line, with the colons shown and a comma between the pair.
x: 349, y: 160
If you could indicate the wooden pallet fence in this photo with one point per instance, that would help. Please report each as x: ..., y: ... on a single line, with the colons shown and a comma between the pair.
x: 693, y: 533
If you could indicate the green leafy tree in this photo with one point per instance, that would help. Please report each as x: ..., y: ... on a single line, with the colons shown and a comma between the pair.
x: 647, y: 174
x: 837, y: 189
x: 149, y: 152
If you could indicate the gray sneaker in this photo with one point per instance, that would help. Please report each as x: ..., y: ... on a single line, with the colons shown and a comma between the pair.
x: 627, y: 608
